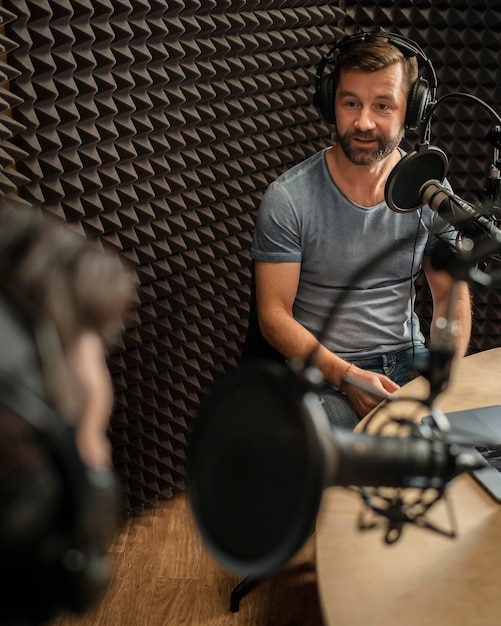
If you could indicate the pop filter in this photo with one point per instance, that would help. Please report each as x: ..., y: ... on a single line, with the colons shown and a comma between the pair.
x: 262, y: 452
x: 255, y: 467
x: 409, y: 175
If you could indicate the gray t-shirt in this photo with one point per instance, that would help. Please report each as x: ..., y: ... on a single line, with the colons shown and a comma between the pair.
x: 305, y: 218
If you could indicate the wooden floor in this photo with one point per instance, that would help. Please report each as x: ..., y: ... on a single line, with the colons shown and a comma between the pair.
x: 165, y: 577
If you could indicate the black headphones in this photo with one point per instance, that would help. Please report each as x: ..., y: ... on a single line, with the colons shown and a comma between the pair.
x: 58, y: 516
x: 422, y: 94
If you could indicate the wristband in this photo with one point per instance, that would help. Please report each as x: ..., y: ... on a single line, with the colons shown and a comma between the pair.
x: 344, y: 376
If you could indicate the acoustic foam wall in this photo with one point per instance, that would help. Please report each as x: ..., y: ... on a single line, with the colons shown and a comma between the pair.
x: 462, y: 40
x: 154, y: 127
x: 9, y: 153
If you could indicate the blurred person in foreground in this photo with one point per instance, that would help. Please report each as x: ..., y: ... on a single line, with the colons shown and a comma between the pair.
x: 62, y: 305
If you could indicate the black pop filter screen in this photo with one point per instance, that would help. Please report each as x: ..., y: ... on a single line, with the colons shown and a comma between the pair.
x: 255, y: 473
x: 409, y: 175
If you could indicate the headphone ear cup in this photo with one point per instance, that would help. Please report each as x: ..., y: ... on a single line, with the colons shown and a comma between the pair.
x: 326, y: 93
x: 417, y: 104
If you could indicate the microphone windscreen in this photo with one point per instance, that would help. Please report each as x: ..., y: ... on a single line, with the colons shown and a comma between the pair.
x: 402, y: 189
x: 255, y: 468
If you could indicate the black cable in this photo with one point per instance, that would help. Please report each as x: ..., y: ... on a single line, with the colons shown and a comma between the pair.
x: 412, y: 290
x: 341, y: 298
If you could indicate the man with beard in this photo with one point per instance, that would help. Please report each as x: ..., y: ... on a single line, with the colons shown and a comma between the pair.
x: 326, y: 218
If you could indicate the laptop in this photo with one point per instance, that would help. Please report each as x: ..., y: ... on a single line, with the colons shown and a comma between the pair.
x: 481, y: 427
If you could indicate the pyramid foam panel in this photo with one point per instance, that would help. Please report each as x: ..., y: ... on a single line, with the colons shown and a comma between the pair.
x: 10, y: 178
x: 154, y: 127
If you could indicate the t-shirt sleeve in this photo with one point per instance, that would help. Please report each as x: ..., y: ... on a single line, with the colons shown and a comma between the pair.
x: 276, y: 236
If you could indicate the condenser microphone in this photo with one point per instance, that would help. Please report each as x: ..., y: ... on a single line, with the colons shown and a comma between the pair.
x: 456, y: 211
x: 402, y: 189
x: 366, y: 460
x: 262, y: 452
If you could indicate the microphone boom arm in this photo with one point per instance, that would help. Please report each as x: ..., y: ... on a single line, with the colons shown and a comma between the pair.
x: 463, y: 96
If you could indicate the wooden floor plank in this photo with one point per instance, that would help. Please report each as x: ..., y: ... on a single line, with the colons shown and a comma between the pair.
x: 165, y: 577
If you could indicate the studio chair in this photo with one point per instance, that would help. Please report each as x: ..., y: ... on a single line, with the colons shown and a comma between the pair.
x: 255, y: 347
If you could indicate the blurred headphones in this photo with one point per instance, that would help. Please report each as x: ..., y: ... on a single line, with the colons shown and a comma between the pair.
x: 422, y: 93
x: 57, y: 516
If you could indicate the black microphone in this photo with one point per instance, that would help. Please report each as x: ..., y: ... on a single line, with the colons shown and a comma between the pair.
x: 377, y: 461
x: 465, y: 262
x: 262, y: 452
x: 456, y: 211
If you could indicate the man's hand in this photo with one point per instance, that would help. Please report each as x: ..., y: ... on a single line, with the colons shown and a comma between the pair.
x: 366, y: 389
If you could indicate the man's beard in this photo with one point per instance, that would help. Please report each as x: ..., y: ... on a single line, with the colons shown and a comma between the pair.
x: 368, y: 156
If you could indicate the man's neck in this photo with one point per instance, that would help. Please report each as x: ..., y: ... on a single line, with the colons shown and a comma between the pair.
x: 362, y: 184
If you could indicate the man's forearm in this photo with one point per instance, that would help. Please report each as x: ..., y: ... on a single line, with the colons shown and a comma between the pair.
x: 293, y: 340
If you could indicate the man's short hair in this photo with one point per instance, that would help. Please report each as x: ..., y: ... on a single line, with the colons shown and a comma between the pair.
x: 373, y: 53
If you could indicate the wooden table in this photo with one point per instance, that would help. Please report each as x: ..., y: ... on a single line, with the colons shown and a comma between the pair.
x: 424, y: 578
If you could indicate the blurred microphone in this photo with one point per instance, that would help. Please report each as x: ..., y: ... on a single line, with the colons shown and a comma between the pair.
x: 262, y: 452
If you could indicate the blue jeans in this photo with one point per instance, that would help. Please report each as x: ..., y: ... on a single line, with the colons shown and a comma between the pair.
x: 396, y: 365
